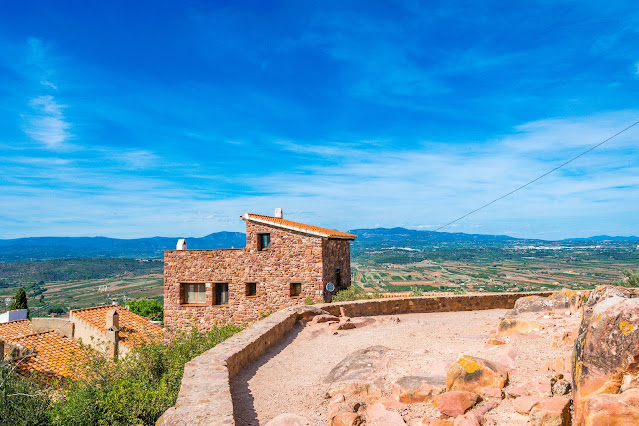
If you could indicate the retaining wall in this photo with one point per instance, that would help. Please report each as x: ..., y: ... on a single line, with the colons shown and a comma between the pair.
x: 205, y: 394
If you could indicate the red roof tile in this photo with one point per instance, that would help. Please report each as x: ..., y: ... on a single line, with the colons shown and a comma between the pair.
x: 13, y: 329
x: 48, y: 353
x: 134, y: 329
x: 297, y: 226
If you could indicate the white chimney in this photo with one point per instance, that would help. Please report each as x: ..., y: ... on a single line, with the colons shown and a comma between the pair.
x: 278, y: 213
x: 181, y: 245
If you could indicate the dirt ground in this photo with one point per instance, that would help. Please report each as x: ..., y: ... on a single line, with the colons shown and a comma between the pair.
x: 289, y: 377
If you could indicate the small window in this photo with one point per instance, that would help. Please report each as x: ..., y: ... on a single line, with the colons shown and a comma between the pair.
x: 296, y: 289
x: 193, y: 294
x: 251, y: 289
x: 264, y: 241
x: 221, y: 294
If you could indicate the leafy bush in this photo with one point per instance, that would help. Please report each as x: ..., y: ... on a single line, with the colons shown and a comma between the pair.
x: 149, y: 308
x: 309, y: 301
x: 416, y: 292
x: 352, y: 293
x: 22, y: 401
x: 137, y: 389
x: 629, y: 278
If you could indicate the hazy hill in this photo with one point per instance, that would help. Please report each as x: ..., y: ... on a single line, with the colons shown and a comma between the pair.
x: 46, y: 248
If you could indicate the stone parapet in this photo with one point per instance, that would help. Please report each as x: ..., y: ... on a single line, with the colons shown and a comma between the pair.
x: 205, y: 393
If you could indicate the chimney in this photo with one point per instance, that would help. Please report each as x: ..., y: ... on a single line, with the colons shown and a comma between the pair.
x: 1, y: 350
x: 112, y: 334
x: 181, y: 244
x: 278, y: 213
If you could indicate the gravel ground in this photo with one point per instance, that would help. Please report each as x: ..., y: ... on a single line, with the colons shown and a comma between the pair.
x: 288, y: 378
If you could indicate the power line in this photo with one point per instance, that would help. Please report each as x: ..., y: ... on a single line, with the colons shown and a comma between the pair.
x: 526, y: 184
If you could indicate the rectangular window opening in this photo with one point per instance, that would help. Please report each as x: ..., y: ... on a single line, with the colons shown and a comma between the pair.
x: 296, y: 289
x: 221, y: 294
x: 263, y: 241
x: 251, y: 289
x: 193, y: 294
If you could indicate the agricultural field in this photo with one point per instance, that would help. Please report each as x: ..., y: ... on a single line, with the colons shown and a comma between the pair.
x: 494, y: 270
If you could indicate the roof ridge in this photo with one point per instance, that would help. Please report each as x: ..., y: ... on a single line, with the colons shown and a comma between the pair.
x: 9, y: 322
x: 299, y: 226
x: 31, y: 334
x: 98, y: 307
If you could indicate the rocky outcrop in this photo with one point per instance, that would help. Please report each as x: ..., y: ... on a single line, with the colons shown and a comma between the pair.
x: 472, y: 374
x: 417, y: 389
x: 455, y: 403
x: 357, y: 373
x: 606, y: 351
x: 562, y: 300
x: 511, y: 326
x: 613, y: 410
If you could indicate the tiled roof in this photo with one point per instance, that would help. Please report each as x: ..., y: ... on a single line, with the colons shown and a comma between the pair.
x: 297, y: 226
x: 13, y: 329
x: 50, y: 354
x: 134, y: 329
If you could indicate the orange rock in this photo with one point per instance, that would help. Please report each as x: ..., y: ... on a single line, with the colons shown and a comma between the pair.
x: 516, y: 391
x: 496, y: 341
x: 560, y: 365
x: 511, y: 326
x: 524, y: 404
x: 417, y: 389
x: 347, y: 419
x: 541, y: 386
x: 317, y: 319
x: 472, y: 374
x: 434, y: 421
x: 378, y: 415
x: 612, y: 410
x: 455, y: 403
x: 468, y: 419
x: 356, y: 388
x: 493, y: 393
x: 551, y: 412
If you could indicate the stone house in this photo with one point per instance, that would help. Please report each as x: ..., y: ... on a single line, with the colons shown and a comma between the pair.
x: 284, y: 263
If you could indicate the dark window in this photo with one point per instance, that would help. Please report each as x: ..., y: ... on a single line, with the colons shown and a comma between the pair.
x: 193, y: 294
x: 338, y: 278
x: 221, y: 294
x: 296, y: 289
x: 264, y: 241
x: 251, y: 289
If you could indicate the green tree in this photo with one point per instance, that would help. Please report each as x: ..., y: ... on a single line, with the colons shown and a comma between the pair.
x: 150, y: 308
x: 19, y: 300
x: 22, y: 401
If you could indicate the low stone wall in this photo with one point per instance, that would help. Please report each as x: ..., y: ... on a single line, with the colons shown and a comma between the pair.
x: 205, y: 394
x: 413, y: 305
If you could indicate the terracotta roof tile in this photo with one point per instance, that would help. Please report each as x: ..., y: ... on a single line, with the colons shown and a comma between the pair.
x: 52, y: 354
x: 134, y: 329
x: 297, y: 226
x: 13, y: 329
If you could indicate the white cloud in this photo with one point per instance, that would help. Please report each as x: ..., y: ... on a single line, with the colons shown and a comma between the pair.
x: 47, y: 123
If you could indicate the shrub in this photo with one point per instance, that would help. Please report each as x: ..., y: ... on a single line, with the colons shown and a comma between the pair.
x: 149, y: 308
x: 416, y: 292
x: 352, y: 293
x: 309, y: 301
x: 629, y: 278
x: 22, y: 401
x: 137, y: 389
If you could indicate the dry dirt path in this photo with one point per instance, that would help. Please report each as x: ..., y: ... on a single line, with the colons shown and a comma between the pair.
x: 288, y: 378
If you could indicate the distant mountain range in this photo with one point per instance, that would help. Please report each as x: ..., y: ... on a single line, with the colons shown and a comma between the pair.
x: 44, y: 248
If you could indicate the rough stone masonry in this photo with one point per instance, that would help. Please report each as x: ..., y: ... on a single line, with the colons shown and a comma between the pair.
x: 283, y: 263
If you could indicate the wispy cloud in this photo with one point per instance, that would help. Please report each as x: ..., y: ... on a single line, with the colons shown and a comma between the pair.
x: 47, y: 124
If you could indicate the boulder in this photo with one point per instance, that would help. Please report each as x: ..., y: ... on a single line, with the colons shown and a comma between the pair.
x: 516, y: 391
x: 551, y: 412
x: 524, y: 404
x: 336, y: 404
x: 469, y: 419
x: 561, y: 300
x: 484, y: 408
x: 492, y: 393
x: 512, y: 326
x: 607, y: 347
x: 358, y: 373
x: 417, y: 389
x: 612, y: 410
x: 347, y: 419
x: 455, y: 403
x: 472, y: 374
x: 496, y: 341
x: 561, y: 387
x: 541, y: 386
x: 288, y: 419
x: 378, y: 415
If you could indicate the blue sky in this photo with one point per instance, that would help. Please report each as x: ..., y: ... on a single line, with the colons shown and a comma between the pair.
x: 133, y: 119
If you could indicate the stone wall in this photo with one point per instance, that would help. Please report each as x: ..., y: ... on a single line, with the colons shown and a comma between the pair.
x: 336, y: 254
x: 293, y: 257
x: 205, y: 393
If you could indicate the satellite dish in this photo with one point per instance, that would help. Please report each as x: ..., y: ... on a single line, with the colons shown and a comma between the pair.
x: 330, y: 287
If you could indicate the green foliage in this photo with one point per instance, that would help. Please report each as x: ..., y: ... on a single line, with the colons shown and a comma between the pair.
x: 137, y: 389
x: 150, y: 308
x: 309, y: 301
x: 19, y: 300
x: 352, y: 293
x: 415, y: 291
x: 265, y: 313
x: 629, y: 278
x: 22, y: 401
